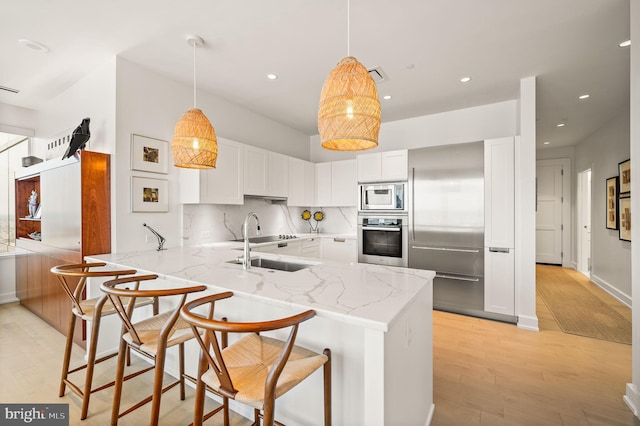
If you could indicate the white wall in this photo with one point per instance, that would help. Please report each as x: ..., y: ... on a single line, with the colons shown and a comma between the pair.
x: 632, y: 396
x: 93, y: 97
x: 601, y: 152
x: 17, y: 120
x: 459, y: 126
x: 150, y: 104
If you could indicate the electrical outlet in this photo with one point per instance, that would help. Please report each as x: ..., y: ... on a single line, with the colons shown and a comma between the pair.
x: 146, y: 238
x: 206, y: 234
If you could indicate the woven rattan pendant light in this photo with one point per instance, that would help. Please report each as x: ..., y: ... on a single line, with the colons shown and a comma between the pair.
x: 349, y: 111
x: 194, y: 144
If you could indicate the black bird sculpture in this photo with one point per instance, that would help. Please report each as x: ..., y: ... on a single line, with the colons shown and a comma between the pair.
x: 79, y: 138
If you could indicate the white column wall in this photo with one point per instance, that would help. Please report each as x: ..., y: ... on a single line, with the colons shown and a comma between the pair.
x: 525, y: 224
x: 632, y: 397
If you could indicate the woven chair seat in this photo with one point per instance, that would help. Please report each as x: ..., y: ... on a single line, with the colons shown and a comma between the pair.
x: 148, y: 331
x: 88, y: 307
x: 249, y: 361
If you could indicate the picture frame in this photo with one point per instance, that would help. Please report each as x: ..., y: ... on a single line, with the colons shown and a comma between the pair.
x: 625, y: 218
x: 624, y: 172
x: 149, y: 195
x: 149, y: 154
x: 612, y: 203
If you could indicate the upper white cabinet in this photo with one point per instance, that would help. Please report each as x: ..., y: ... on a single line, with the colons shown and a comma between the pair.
x: 222, y: 185
x: 336, y: 184
x: 302, y: 183
x: 499, y: 192
x: 382, y: 166
x: 265, y: 173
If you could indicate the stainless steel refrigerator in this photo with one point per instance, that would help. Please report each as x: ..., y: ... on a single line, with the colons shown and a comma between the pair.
x: 446, y: 224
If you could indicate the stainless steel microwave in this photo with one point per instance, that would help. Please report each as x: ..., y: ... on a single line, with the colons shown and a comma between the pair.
x: 382, y: 197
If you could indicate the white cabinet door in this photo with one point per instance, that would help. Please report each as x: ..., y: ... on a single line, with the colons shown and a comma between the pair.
x: 311, y: 247
x: 301, y: 183
x: 278, y: 175
x: 499, y: 192
x: 394, y: 165
x: 222, y: 185
x: 383, y: 166
x: 340, y: 249
x: 499, y: 280
x: 369, y: 167
x: 344, y: 183
x: 323, y: 184
x: 255, y: 171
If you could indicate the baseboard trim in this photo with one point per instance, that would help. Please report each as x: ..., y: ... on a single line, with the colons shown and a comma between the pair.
x: 430, y: 416
x: 623, y: 298
x: 528, y: 323
x: 8, y: 298
x: 632, y: 399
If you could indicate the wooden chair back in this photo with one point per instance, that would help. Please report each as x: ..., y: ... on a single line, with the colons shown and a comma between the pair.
x: 82, y: 271
x: 124, y: 291
x: 212, y: 347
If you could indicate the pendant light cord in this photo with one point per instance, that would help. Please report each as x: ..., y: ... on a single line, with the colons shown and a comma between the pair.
x: 194, y: 74
x: 348, y: 24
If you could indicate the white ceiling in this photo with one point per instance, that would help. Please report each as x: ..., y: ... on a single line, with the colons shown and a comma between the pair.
x: 570, y: 45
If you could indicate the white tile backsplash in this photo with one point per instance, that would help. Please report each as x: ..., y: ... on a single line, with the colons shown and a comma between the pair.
x: 209, y: 223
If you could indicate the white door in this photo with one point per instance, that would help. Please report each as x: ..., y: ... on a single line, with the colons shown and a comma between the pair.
x: 584, y: 223
x: 549, y: 199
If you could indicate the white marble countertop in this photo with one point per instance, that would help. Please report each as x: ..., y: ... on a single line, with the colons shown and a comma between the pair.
x: 370, y: 296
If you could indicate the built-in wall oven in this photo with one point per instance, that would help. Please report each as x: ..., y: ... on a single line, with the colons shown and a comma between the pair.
x: 382, y: 239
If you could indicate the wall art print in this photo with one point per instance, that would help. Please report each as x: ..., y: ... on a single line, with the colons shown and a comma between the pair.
x: 149, y: 195
x: 612, y: 202
x: 625, y: 218
x: 149, y: 154
x: 624, y: 172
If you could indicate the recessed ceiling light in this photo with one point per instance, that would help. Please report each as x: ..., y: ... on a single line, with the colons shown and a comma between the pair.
x: 386, y: 97
x: 560, y: 125
x: 547, y: 143
x: 585, y: 96
x: 35, y: 45
x: 625, y: 43
x: 272, y: 76
x: 410, y: 66
x: 465, y: 79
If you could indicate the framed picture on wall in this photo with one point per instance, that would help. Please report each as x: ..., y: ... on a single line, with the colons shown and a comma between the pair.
x: 624, y: 172
x: 149, y: 195
x: 612, y: 202
x: 625, y: 218
x: 149, y: 154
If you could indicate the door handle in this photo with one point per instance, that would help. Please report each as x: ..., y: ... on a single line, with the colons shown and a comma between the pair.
x: 498, y: 250
x: 451, y: 277
x: 445, y: 249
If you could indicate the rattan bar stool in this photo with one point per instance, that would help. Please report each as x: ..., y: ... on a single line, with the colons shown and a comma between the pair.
x: 91, y: 310
x: 150, y: 337
x: 255, y: 370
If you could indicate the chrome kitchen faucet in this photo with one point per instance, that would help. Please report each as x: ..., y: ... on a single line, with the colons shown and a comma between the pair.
x: 246, y: 259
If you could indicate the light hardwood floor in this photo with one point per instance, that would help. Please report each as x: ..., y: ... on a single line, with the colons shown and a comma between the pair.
x: 485, y: 373
x: 490, y: 373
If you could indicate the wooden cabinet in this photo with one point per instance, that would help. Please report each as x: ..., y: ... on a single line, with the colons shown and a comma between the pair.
x: 336, y: 184
x: 265, y: 173
x: 340, y: 249
x: 302, y: 183
x: 499, y: 258
x: 222, y: 185
x: 76, y: 222
x: 383, y: 166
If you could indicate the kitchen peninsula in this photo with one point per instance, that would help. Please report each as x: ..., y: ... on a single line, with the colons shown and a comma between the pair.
x: 376, y: 320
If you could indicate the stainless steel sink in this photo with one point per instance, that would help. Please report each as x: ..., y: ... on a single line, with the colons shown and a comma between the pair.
x: 279, y: 265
